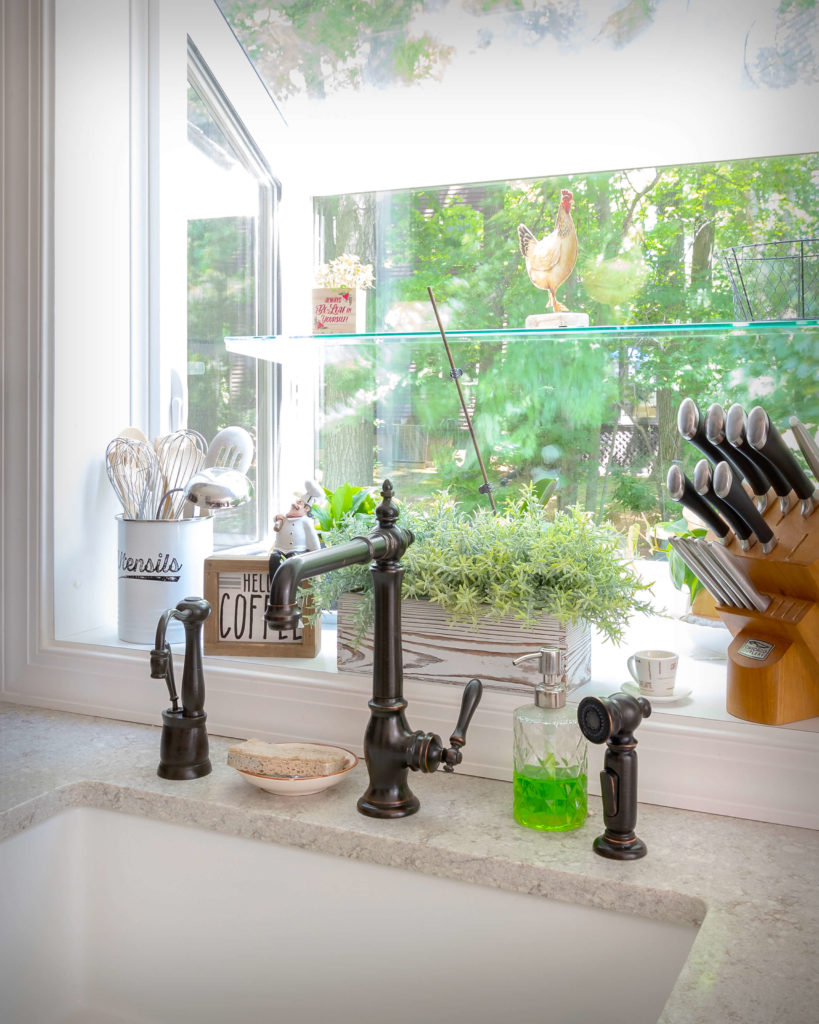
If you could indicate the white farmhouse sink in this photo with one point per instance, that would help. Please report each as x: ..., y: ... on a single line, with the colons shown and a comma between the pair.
x: 110, y: 918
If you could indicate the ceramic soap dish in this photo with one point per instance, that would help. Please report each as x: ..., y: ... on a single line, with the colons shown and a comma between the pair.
x: 291, y: 769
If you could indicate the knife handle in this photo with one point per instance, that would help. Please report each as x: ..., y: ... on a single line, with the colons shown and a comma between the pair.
x: 766, y: 439
x: 807, y: 445
x: 682, y: 490
x: 704, y: 486
x: 728, y: 487
x: 736, y: 433
x: 739, y: 459
x: 691, y: 426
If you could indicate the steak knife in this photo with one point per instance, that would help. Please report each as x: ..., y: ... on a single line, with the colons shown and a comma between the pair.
x: 728, y: 487
x: 807, y: 445
x: 767, y: 440
x: 735, y: 431
x: 701, y: 550
x: 739, y: 459
x: 682, y: 490
x: 704, y: 486
x: 759, y: 600
x: 711, y: 583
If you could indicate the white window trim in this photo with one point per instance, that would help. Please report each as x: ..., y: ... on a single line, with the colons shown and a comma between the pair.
x: 740, y: 769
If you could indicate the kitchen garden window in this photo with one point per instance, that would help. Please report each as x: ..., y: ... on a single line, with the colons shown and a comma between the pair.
x: 101, y: 338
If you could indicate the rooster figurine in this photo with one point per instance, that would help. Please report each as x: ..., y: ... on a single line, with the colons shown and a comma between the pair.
x: 550, y: 260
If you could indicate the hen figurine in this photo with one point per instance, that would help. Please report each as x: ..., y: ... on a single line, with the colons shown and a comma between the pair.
x: 550, y: 260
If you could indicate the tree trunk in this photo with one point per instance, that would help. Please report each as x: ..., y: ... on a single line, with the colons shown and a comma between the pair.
x: 669, y: 441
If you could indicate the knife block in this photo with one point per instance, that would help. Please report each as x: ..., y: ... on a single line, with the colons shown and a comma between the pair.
x: 773, y: 659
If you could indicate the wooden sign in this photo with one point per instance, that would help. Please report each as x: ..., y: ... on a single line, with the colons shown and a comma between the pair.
x: 237, y: 590
x: 338, y: 310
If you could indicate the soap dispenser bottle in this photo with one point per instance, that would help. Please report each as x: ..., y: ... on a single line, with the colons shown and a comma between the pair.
x: 550, y: 754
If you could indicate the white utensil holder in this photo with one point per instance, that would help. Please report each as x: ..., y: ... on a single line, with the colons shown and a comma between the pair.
x: 159, y: 562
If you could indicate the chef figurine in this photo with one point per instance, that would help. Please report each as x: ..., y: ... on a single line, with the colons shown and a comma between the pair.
x: 295, y: 532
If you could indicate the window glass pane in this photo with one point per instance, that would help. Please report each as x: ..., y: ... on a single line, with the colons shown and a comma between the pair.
x: 223, y: 205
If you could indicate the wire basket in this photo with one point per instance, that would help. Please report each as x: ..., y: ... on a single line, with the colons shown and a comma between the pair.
x: 774, y: 280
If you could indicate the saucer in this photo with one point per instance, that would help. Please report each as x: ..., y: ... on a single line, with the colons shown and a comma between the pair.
x: 678, y: 694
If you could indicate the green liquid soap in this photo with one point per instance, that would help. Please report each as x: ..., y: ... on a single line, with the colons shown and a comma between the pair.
x: 549, y: 801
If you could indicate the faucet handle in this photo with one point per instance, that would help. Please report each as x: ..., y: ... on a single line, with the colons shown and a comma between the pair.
x: 473, y: 691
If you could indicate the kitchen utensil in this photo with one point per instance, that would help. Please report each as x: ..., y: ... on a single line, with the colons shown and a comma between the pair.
x: 217, y: 488
x: 132, y: 433
x: 134, y: 473
x: 703, y: 551
x: 180, y: 455
x: 232, y: 448
x: 682, y: 490
x: 704, y: 486
x: 757, y: 599
x: 807, y: 445
x: 735, y: 431
x: 738, y: 459
x: 691, y: 426
x: 702, y: 572
x: 766, y: 439
x: 730, y: 490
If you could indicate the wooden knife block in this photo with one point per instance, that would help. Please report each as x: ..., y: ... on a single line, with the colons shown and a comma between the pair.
x: 773, y: 660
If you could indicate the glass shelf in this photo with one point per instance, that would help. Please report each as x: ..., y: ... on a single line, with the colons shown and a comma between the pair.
x: 291, y: 350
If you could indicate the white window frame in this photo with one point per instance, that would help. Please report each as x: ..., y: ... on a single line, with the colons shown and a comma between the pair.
x: 739, y: 769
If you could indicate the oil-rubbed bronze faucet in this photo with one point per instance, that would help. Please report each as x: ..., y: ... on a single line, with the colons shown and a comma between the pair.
x: 183, y: 746
x: 391, y: 748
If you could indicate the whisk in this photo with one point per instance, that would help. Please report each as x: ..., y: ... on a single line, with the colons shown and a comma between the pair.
x: 134, y: 472
x: 180, y: 455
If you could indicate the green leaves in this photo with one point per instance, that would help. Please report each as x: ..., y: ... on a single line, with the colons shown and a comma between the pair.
x: 515, y: 564
x: 345, y: 500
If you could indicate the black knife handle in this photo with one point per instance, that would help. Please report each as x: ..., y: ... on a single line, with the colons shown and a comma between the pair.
x: 766, y: 439
x: 682, y: 490
x: 739, y: 459
x: 704, y: 486
x: 736, y: 433
x: 691, y: 426
x: 728, y: 487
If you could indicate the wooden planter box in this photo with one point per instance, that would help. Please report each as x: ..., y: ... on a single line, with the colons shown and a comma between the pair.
x: 436, y: 650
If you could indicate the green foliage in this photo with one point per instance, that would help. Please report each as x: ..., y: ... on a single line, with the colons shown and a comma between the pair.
x: 519, y: 564
x: 648, y: 244
x: 632, y: 493
x: 681, y: 575
x: 344, y: 501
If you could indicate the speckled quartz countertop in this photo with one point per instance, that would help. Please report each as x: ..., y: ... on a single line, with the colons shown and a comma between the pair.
x: 753, y: 887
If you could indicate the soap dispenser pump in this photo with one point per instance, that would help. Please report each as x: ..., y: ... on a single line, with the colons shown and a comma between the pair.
x: 550, y: 754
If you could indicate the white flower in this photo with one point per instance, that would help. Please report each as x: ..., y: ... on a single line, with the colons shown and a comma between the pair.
x: 345, y: 271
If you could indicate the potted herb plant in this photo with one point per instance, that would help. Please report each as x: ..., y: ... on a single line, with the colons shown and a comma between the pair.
x: 479, y: 590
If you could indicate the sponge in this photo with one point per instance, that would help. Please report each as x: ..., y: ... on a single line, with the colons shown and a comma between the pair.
x: 286, y: 760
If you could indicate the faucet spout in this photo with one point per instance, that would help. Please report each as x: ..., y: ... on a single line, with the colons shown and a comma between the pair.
x: 283, y: 609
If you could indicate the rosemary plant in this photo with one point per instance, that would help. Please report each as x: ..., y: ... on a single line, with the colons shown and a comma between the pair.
x: 517, y: 564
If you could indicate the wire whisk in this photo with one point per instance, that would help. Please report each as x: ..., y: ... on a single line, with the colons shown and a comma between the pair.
x: 180, y: 456
x: 133, y: 470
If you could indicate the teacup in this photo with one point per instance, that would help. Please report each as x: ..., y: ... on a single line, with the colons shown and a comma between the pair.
x: 654, y: 672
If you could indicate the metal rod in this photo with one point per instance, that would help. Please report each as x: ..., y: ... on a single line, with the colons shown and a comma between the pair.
x: 455, y: 375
